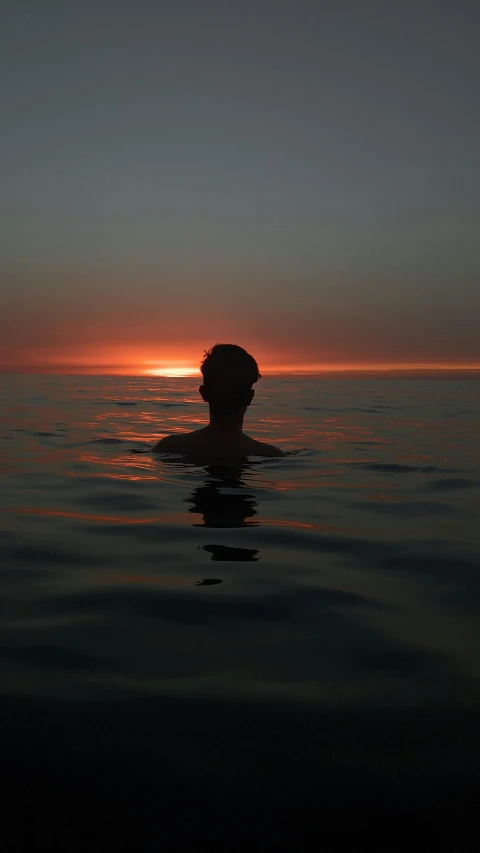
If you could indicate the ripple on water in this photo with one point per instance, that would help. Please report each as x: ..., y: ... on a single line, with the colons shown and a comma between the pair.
x: 451, y: 484
x: 407, y: 509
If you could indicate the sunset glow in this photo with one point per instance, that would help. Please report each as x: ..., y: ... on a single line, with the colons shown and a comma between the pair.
x: 172, y: 371
x: 129, y: 362
x: 155, y: 207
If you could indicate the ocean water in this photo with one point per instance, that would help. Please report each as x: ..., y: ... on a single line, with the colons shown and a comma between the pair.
x: 292, y: 630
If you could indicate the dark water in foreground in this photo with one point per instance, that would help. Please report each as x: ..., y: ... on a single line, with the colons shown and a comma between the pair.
x: 236, y: 654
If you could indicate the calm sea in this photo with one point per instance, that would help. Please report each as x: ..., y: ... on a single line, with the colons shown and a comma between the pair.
x: 186, y: 647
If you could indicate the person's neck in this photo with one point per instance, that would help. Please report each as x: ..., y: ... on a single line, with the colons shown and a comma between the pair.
x: 226, y: 424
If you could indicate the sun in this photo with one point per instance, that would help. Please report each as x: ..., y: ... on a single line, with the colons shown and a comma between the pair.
x: 172, y: 371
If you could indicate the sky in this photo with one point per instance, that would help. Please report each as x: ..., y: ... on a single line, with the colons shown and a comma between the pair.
x: 295, y: 176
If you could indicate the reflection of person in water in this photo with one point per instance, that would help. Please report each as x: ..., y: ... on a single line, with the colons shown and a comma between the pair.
x: 228, y: 375
x: 221, y: 508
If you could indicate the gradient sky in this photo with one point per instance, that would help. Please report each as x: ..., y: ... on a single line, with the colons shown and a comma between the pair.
x: 297, y: 176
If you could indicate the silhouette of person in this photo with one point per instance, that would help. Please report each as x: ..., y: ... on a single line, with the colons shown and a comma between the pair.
x: 228, y: 375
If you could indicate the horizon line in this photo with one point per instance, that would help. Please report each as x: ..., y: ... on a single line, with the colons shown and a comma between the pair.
x: 185, y: 370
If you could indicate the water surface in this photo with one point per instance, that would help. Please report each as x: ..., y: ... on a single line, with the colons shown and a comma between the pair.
x: 343, y: 579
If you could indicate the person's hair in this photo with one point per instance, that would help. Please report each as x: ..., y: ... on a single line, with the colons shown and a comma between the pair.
x: 228, y: 372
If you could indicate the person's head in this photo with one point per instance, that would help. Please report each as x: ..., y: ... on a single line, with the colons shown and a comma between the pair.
x: 228, y: 375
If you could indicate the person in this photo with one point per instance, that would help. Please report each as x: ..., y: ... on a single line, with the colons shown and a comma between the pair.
x: 228, y: 375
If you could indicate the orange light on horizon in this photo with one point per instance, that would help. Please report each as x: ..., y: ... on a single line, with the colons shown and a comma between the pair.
x: 184, y: 370
x: 169, y: 368
x: 182, y: 361
x: 358, y: 367
x: 172, y: 371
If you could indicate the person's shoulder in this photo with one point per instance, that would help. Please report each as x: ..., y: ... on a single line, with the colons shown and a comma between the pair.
x: 173, y: 443
x: 271, y: 450
x: 268, y: 450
